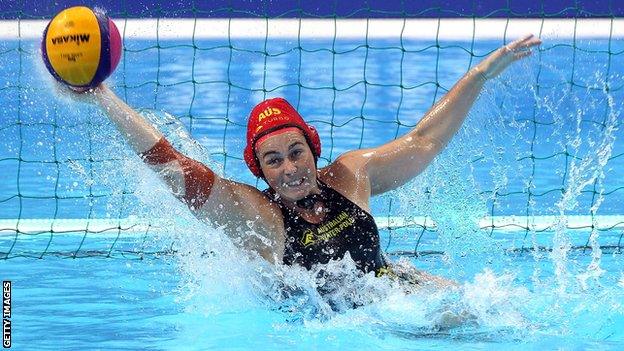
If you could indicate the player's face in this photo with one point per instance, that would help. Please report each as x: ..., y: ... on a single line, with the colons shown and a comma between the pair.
x: 288, y: 165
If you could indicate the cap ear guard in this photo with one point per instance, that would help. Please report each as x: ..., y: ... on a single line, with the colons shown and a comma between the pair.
x: 314, y: 140
x: 252, y: 161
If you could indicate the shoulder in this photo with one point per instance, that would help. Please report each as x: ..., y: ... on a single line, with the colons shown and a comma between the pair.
x: 351, y: 162
x: 348, y: 175
x: 352, y: 165
x: 238, y: 208
x: 234, y: 202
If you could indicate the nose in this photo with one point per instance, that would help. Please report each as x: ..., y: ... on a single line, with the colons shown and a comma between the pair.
x: 290, y: 167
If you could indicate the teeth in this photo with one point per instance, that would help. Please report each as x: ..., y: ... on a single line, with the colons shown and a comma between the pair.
x: 294, y: 183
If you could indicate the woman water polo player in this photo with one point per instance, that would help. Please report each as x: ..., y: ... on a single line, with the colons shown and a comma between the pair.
x: 308, y: 216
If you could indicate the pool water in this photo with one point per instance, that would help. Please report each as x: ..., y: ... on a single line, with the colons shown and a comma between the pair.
x: 154, y: 304
x: 533, y: 144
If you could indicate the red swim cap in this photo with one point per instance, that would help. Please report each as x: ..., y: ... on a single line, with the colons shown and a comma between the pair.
x: 271, y: 115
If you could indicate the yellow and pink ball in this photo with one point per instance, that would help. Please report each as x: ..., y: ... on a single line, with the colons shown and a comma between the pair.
x: 81, y: 47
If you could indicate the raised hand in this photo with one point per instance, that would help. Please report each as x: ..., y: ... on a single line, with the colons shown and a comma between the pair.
x: 79, y: 95
x: 500, y: 59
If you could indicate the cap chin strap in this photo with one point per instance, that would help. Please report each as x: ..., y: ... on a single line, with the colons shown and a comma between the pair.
x: 308, y: 201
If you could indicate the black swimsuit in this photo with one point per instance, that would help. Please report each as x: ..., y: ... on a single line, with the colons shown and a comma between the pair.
x: 345, y: 228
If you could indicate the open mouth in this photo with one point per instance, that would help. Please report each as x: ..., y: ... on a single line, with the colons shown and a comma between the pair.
x: 294, y: 183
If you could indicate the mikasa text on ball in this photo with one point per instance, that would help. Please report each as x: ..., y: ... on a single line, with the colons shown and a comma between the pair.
x: 81, y: 47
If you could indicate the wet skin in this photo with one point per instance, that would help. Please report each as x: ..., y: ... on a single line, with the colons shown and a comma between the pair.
x: 288, y: 165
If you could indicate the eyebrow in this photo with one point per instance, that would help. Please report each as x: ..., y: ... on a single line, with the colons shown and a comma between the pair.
x: 296, y: 143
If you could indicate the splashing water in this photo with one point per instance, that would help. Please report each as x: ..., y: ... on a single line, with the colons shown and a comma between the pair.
x: 218, y: 279
x: 594, y: 151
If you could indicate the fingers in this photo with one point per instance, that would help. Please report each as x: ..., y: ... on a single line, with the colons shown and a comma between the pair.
x: 524, y: 39
x: 498, y: 61
x: 521, y: 48
x: 523, y: 54
x: 524, y: 43
x: 532, y: 41
x: 74, y: 94
x: 63, y: 90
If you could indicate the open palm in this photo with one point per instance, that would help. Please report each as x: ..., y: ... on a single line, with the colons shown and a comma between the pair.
x: 500, y: 59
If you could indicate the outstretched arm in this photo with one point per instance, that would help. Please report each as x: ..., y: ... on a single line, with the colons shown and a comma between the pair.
x: 137, y: 131
x: 393, y: 164
x: 239, y: 208
x: 190, y: 181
